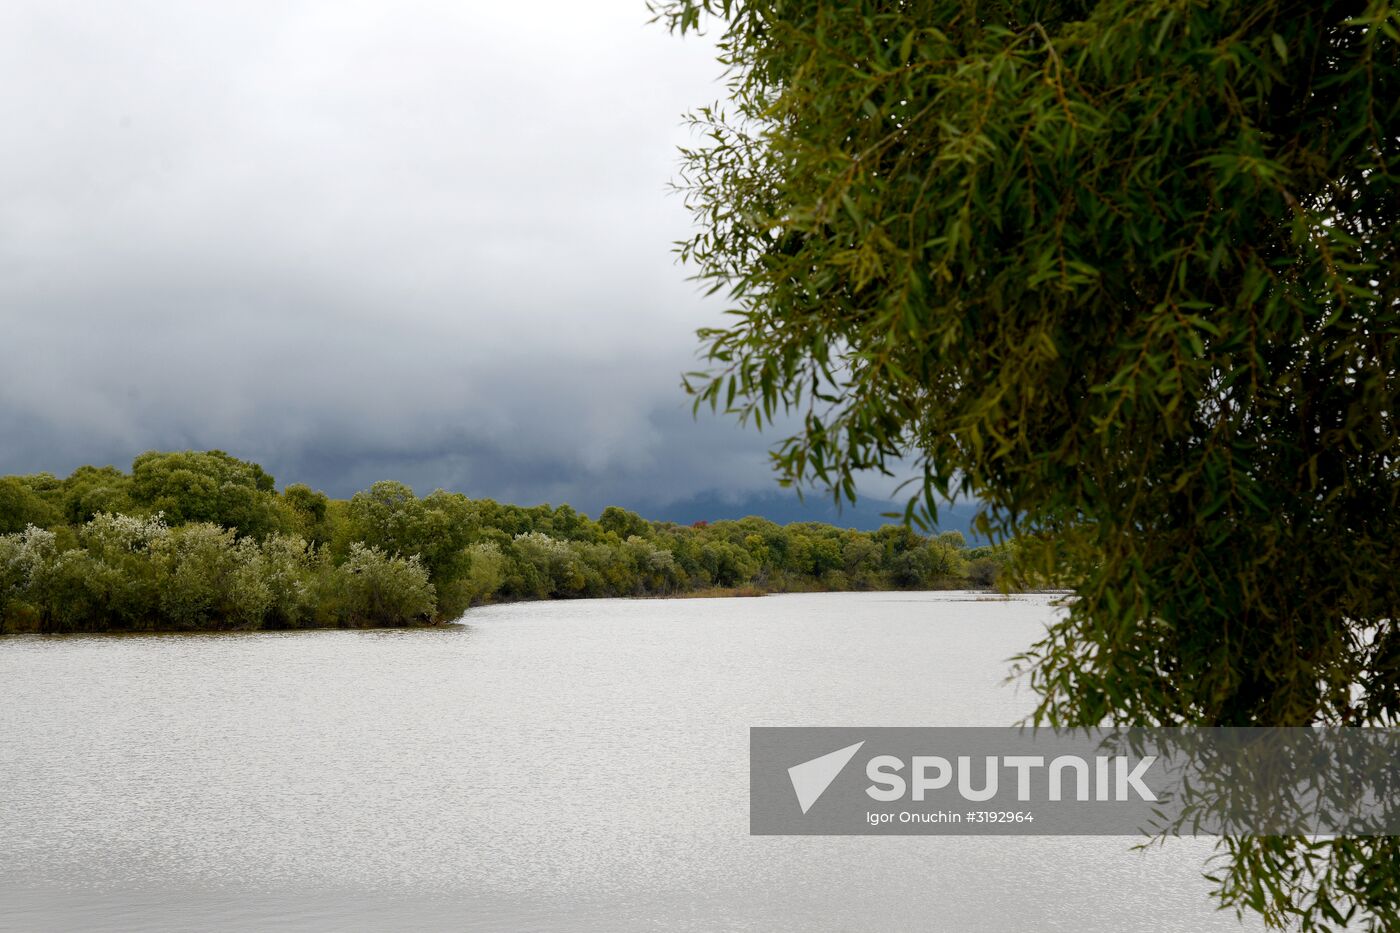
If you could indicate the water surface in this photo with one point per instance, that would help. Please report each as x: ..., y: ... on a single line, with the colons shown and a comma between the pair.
x: 567, y: 765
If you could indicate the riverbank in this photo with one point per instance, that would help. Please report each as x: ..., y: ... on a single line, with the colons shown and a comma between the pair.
x: 716, y: 592
x: 753, y: 590
x: 227, y: 626
x: 203, y: 541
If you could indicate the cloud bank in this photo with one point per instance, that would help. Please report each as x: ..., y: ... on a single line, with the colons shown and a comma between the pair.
x: 428, y: 241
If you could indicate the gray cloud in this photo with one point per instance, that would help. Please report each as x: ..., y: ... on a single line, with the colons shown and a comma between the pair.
x: 354, y: 241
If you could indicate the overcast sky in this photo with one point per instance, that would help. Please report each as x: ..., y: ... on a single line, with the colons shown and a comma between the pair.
x: 428, y: 241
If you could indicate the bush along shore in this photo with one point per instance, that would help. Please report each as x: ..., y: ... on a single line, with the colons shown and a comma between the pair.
x: 203, y: 541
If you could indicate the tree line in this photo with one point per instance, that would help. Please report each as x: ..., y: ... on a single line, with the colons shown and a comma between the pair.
x: 204, y: 541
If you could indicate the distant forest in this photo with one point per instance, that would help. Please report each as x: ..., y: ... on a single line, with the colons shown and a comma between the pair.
x: 203, y: 541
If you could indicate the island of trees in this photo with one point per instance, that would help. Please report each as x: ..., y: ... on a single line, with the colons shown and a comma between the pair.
x: 193, y: 541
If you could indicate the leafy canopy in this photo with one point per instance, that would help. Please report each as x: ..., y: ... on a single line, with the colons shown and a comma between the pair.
x: 1127, y: 272
x: 206, y: 486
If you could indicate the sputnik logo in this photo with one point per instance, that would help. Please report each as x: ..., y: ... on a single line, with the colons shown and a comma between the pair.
x: 811, y: 778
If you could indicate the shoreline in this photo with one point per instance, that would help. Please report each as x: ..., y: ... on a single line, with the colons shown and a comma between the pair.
x: 713, y: 592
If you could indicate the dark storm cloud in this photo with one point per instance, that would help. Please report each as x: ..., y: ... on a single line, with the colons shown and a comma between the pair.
x: 357, y: 241
x: 354, y: 240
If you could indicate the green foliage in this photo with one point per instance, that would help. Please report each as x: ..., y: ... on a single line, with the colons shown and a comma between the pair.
x: 484, y: 573
x: 983, y: 572
x: 208, y: 486
x: 622, y: 523
x: 654, y: 568
x: 436, y: 528
x: 310, y: 511
x: 292, y: 569
x: 376, y: 589
x: 92, y: 490
x: 134, y: 574
x: 383, y: 557
x: 21, y: 506
x: 1127, y: 273
x: 200, y: 585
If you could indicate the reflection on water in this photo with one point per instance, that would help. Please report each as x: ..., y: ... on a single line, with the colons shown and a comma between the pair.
x: 571, y: 765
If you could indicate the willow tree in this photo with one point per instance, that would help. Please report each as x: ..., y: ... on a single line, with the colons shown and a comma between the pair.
x: 1126, y: 272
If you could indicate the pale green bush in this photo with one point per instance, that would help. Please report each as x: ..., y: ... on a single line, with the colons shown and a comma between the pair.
x: 374, y: 589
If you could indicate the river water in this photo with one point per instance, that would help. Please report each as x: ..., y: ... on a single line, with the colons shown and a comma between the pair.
x: 547, y: 766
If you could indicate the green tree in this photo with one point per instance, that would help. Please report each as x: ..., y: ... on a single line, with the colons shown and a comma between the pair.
x: 373, y: 588
x: 311, y: 512
x: 198, y: 566
x: 207, y: 486
x: 983, y: 571
x: 860, y: 557
x: 20, y: 506
x: 436, y: 529
x: 623, y: 523
x: 1127, y: 272
x: 387, y: 516
x: 90, y: 490
x: 485, y: 573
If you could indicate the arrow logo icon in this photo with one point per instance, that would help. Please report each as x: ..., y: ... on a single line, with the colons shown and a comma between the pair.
x: 811, y: 778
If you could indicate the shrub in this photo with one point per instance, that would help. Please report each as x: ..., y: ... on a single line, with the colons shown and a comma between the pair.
x: 374, y: 589
x: 983, y: 572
